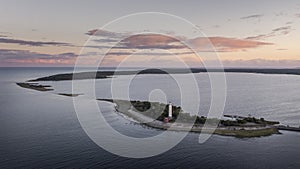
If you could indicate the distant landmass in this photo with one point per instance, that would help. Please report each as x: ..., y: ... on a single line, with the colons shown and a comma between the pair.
x: 109, y: 74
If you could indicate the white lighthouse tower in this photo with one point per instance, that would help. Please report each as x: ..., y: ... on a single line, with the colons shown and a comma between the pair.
x: 170, y: 110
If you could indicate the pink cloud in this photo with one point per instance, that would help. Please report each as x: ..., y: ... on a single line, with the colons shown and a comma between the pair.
x: 147, y: 41
x: 159, y: 41
x: 225, y: 44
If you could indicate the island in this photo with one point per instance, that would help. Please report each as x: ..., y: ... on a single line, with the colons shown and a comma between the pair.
x: 154, y: 114
x: 69, y: 94
x: 109, y: 74
x: 35, y: 86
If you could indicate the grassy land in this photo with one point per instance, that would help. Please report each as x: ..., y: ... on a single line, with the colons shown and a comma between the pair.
x: 248, y: 133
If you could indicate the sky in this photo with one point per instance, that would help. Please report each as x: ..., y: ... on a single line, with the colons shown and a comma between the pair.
x: 239, y: 33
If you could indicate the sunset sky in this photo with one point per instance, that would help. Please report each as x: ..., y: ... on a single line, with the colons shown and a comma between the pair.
x: 256, y: 33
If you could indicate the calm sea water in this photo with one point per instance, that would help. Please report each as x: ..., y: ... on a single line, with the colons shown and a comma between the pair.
x: 40, y: 129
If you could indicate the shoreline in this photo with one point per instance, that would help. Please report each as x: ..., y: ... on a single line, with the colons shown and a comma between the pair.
x: 110, y: 74
x: 235, y: 131
x: 35, y: 86
x: 258, y: 130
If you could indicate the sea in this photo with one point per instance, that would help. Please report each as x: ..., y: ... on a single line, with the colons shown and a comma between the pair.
x: 41, y: 129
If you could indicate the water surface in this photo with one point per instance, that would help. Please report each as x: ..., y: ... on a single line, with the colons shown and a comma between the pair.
x: 40, y: 129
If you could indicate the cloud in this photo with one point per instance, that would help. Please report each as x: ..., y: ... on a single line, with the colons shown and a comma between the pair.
x: 8, y: 56
x: 265, y: 63
x: 24, y: 54
x: 104, y: 33
x: 4, y: 34
x: 159, y: 41
x: 33, y: 43
x: 107, y: 40
x: 261, y: 36
x: 200, y: 44
x: 147, y: 53
x: 227, y: 44
x: 252, y: 16
x: 148, y: 40
x: 152, y: 41
x: 142, y: 41
x: 284, y: 30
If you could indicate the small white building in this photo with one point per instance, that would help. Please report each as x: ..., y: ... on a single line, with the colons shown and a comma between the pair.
x: 170, y: 110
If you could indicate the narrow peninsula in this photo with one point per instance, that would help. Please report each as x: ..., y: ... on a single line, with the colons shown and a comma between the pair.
x: 35, y: 86
x: 109, y: 74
